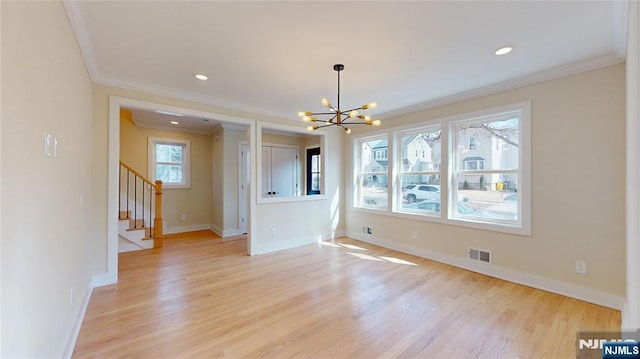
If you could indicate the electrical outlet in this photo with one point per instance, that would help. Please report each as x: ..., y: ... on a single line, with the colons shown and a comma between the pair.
x: 581, y: 267
x: 183, y: 217
x: 71, y: 296
x: 414, y: 235
x: 274, y: 232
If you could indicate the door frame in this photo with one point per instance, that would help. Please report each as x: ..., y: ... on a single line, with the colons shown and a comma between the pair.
x: 244, y: 169
x: 113, y: 164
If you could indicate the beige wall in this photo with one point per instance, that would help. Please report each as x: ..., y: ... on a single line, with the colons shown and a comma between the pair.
x: 578, y: 193
x: 46, y: 202
x: 269, y: 138
x: 194, y: 202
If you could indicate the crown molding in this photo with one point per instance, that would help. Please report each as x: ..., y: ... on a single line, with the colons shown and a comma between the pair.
x: 527, y: 80
x: 82, y: 36
x: 249, y: 112
x: 620, y: 28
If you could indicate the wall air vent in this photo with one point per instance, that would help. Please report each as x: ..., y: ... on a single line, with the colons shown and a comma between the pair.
x: 479, y: 255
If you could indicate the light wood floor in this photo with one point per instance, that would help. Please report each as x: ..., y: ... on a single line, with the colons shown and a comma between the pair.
x: 202, y: 297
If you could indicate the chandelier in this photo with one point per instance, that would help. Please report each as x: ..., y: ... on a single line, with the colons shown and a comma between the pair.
x: 338, y: 117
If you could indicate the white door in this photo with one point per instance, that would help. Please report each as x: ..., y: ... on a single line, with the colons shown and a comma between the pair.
x: 279, y: 171
x: 243, y: 176
x: 284, y: 168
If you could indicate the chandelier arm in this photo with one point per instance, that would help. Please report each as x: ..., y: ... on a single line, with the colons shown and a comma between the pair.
x: 353, y: 109
x: 339, y: 118
x: 322, y: 113
x: 354, y: 123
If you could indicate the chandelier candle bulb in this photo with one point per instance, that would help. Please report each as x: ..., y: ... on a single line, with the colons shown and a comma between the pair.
x: 338, y: 117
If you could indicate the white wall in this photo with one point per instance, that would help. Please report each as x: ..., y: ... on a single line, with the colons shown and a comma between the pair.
x: 631, y: 312
x: 578, y: 193
x: 46, y: 202
x: 313, y: 217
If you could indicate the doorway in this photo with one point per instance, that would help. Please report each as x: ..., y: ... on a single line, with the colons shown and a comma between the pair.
x: 115, y: 104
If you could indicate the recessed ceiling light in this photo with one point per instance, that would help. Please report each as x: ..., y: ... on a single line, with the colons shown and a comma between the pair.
x: 503, y: 50
x: 201, y: 77
x: 174, y: 122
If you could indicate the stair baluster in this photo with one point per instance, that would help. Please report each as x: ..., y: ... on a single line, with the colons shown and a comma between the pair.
x: 154, y: 229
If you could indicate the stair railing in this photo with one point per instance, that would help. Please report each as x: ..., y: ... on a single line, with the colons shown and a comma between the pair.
x: 141, y: 194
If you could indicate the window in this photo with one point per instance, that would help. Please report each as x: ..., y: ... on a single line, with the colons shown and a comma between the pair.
x: 473, y: 163
x: 419, y: 176
x: 314, y: 170
x: 169, y: 162
x: 372, y: 191
x: 473, y: 143
x: 380, y: 154
x: 471, y: 170
x: 487, y: 185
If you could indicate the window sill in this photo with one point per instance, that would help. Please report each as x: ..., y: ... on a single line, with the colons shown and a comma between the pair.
x: 458, y: 222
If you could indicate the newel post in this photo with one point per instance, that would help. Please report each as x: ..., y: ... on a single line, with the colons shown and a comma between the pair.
x: 157, y: 221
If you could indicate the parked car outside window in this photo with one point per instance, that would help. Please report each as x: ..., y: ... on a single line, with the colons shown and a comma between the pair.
x: 421, y: 192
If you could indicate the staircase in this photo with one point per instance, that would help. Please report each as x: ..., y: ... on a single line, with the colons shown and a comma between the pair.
x: 140, y: 211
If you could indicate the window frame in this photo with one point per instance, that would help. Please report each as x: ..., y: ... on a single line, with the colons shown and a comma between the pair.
x: 522, y: 225
x: 186, y: 161
x: 448, y: 178
x: 310, y: 152
x: 359, y: 174
x: 399, y: 172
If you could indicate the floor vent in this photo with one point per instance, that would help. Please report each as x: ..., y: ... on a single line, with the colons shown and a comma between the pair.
x: 479, y: 255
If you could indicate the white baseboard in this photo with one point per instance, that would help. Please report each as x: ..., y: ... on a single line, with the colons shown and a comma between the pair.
x: 215, y: 229
x: 231, y: 232
x: 224, y: 233
x: 71, y: 345
x: 99, y: 280
x: 528, y: 279
x: 183, y: 229
x: 294, y: 242
x: 286, y: 244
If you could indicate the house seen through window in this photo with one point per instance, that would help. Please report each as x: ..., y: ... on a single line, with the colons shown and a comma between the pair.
x: 479, y: 185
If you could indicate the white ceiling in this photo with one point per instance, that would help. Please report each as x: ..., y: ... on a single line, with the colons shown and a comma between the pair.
x: 276, y: 58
